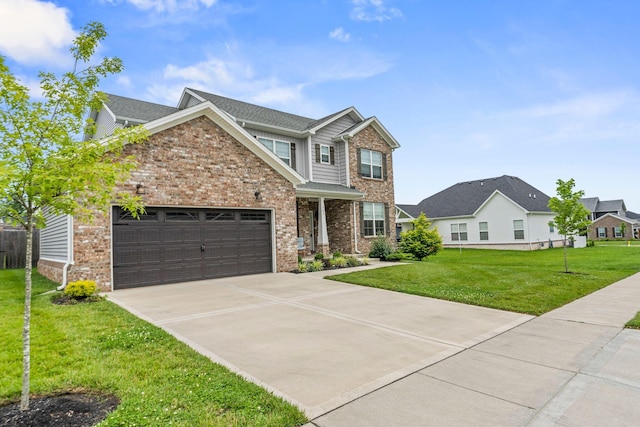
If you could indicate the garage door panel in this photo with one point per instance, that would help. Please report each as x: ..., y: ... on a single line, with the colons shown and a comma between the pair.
x: 177, y: 245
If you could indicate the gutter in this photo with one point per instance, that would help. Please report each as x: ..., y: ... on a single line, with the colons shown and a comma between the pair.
x: 69, y: 262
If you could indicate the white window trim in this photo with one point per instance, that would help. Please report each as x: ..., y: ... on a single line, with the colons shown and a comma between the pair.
x: 518, y: 229
x: 376, y: 232
x: 371, y: 164
x: 322, y: 154
x: 273, y: 142
x: 458, y: 232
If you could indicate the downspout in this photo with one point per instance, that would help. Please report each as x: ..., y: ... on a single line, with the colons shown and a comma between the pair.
x: 345, y: 139
x: 355, y: 229
x: 528, y: 232
x: 69, y: 262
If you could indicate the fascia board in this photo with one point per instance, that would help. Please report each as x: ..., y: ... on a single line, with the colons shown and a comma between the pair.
x: 382, y: 131
x: 223, y: 120
x: 351, y: 111
x: 311, y: 193
x: 275, y: 129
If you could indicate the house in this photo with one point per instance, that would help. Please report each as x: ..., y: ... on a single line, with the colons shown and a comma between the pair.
x: 494, y: 213
x: 611, y: 220
x: 230, y: 188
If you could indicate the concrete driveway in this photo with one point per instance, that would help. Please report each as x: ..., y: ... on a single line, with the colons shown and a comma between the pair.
x: 317, y: 343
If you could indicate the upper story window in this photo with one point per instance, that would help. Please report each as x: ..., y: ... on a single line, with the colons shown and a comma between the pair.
x: 282, y: 149
x: 459, y: 231
x: 325, y: 154
x: 518, y: 229
x: 371, y: 164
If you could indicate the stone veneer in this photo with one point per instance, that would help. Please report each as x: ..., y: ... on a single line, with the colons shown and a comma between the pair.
x: 193, y: 164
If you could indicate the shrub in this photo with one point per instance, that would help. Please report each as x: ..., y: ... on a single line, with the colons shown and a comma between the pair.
x: 398, y: 256
x: 380, y: 248
x: 338, y: 262
x: 591, y: 243
x: 303, y: 267
x: 364, y: 261
x: 337, y: 254
x: 352, y: 261
x: 420, y: 241
x: 318, y: 256
x: 299, y: 259
x: 316, y: 265
x: 81, y: 289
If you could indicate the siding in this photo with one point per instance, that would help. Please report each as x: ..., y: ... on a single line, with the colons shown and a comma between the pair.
x: 301, y: 147
x: 105, y: 124
x: 335, y: 174
x: 54, y: 238
x: 193, y: 101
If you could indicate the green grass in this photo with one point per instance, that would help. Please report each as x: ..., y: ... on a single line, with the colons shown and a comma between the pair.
x: 101, y: 347
x: 531, y: 282
x: 635, y: 322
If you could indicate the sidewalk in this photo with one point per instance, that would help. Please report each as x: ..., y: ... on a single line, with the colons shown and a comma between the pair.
x: 574, y: 366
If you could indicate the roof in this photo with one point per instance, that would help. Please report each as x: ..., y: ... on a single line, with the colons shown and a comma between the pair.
x: 412, y: 210
x: 465, y: 198
x: 633, y: 215
x: 136, y: 111
x: 610, y: 206
x: 321, y: 189
x: 591, y: 203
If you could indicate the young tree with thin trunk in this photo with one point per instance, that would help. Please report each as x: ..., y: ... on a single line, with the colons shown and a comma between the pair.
x: 572, y: 217
x: 45, y: 165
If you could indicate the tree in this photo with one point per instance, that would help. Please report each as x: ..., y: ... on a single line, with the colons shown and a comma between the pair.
x: 421, y: 241
x: 571, y: 215
x: 44, y: 165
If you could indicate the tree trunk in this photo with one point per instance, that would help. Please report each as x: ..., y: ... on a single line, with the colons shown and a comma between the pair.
x: 564, y: 249
x: 26, y: 329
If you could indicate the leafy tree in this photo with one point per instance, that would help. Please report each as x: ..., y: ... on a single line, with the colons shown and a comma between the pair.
x: 421, y: 241
x: 43, y: 165
x: 571, y: 216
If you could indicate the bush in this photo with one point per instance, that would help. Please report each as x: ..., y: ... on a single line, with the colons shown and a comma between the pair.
x: 303, y: 267
x: 420, y: 242
x: 81, y: 289
x: 318, y: 256
x: 337, y: 254
x: 399, y: 256
x: 591, y: 243
x: 380, y: 248
x: 338, y: 262
x: 316, y: 265
x: 352, y: 261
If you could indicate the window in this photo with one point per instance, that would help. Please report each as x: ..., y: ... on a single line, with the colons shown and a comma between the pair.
x: 551, y: 228
x: 484, y: 230
x: 282, y: 149
x: 325, y: 154
x: 518, y: 229
x: 181, y: 216
x: 602, y: 232
x: 371, y: 164
x: 373, y: 219
x: 253, y: 216
x: 459, y: 232
x: 617, y: 231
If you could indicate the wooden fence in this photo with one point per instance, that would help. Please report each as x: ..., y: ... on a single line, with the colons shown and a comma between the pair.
x: 13, y: 247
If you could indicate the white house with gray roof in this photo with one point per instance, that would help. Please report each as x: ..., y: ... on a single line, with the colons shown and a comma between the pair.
x: 494, y: 213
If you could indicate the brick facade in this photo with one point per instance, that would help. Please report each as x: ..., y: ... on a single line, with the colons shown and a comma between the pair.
x: 194, y: 164
x: 609, y: 222
x: 376, y: 191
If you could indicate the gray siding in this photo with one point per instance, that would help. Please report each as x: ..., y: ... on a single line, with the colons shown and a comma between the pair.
x: 54, y: 238
x: 193, y: 101
x: 105, y: 124
x: 301, y: 147
x: 336, y: 173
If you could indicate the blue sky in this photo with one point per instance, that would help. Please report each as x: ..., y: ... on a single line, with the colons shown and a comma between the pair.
x: 541, y: 89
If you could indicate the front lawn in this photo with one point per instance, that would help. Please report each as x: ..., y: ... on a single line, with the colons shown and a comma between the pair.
x: 635, y: 322
x: 101, y: 347
x: 531, y: 282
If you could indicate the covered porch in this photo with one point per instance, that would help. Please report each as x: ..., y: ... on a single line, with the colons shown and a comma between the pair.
x: 327, y: 219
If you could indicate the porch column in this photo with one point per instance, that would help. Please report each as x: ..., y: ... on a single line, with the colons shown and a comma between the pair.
x: 323, y: 236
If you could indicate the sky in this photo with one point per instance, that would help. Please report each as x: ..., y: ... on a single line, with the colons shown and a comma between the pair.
x: 538, y: 89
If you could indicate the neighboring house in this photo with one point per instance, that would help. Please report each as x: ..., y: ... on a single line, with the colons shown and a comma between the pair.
x: 611, y: 220
x: 230, y: 188
x: 496, y: 213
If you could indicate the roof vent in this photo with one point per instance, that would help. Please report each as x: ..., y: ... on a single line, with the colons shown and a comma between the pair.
x: 481, y: 183
x: 534, y: 196
x: 529, y: 195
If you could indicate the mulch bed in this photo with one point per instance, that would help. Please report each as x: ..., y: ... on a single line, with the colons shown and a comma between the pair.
x: 66, y: 410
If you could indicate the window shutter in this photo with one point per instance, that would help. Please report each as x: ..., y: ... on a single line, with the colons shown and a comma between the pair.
x: 317, y: 153
x: 359, y: 157
x: 293, y: 155
x: 361, y: 219
x: 332, y: 155
x: 384, y: 166
x: 605, y: 231
x: 386, y: 220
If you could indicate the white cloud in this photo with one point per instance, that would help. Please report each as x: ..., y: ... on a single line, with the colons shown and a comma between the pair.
x: 35, y: 32
x: 340, y: 35
x: 124, y: 81
x: 373, y: 10
x: 170, y: 6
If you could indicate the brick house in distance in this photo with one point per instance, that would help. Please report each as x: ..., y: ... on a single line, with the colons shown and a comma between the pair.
x: 611, y: 219
x: 230, y: 188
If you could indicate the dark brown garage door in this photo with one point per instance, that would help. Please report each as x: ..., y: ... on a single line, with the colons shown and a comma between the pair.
x: 168, y: 245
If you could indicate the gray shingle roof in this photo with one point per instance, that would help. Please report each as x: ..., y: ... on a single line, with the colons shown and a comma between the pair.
x: 464, y: 198
x: 590, y: 203
x: 633, y: 215
x: 412, y: 210
x: 610, y: 206
x: 140, y: 111
x: 256, y: 114
x: 331, y: 188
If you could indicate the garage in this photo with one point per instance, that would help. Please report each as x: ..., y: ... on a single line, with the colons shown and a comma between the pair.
x: 170, y: 245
